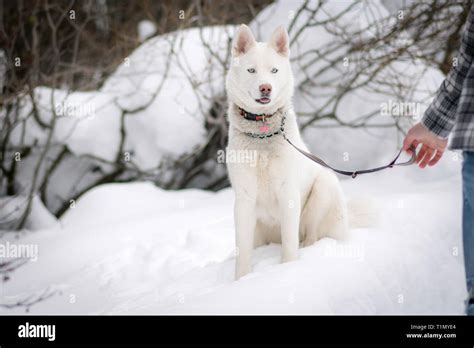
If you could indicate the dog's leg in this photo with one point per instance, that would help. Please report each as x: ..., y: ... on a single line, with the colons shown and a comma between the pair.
x: 245, y: 223
x: 290, y: 210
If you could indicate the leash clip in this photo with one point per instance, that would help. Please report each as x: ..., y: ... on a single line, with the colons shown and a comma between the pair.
x: 354, y: 175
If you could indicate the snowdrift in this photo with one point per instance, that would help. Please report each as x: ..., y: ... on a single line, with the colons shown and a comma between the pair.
x: 134, y: 248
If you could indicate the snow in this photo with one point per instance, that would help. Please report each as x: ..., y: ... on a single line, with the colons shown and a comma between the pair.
x: 146, y: 29
x: 135, y: 248
x: 168, y: 84
x: 13, y: 208
x: 167, y: 93
x: 40, y: 217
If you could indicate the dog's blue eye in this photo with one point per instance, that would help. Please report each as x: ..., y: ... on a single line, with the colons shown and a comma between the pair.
x: 274, y: 70
x: 251, y: 70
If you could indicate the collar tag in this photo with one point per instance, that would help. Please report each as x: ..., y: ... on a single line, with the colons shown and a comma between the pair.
x: 263, y: 128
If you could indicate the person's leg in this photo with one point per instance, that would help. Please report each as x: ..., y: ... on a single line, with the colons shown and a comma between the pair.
x: 468, y: 225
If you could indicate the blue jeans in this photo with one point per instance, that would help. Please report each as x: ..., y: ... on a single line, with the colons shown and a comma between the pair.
x: 468, y: 224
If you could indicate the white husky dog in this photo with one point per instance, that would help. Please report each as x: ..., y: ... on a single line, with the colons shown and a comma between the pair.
x: 281, y: 197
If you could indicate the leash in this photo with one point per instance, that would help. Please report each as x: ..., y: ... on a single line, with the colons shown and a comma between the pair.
x: 355, y: 173
x: 314, y: 158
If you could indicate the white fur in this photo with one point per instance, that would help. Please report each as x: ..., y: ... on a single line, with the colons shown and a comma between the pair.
x: 283, y: 197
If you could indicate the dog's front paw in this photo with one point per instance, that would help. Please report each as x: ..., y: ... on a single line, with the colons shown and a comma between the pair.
x: 288, y: 256
x: 241, y: 270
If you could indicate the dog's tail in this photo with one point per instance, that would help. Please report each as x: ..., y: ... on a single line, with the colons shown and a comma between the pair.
x: 363, y: 212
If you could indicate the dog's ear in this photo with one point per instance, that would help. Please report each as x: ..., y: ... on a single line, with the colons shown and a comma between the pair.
x: 280, y: 42
x: 243, y: 41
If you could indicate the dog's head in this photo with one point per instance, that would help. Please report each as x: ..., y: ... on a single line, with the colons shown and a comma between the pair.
x: 260, y: 79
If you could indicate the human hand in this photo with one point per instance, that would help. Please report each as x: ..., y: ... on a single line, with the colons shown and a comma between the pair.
x: 432, y: 148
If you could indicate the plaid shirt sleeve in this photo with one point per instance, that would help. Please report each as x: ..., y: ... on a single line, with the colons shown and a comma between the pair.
x: 440, y: 116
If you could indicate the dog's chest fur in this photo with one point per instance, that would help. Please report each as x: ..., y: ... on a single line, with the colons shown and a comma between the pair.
x: 273, y: 164
x: 268, y: 183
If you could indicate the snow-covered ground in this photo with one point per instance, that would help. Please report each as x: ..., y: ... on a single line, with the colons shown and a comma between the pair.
x: 134, y: 248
